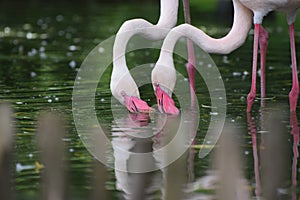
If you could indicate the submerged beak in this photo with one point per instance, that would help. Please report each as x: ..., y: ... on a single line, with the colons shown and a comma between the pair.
x: 165, y: 102
x: 136, y: 105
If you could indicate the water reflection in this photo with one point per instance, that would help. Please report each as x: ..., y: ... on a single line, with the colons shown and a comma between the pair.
x: 140, y: 133
x: 271, y: 153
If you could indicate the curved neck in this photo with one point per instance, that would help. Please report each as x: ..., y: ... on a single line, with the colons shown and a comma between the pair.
x: 167, y: 20
x: 242, y: 23
x: 121, y: 79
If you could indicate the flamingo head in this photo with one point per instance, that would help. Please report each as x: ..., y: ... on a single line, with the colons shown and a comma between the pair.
x: 165, y: 102
x: 136, y: 105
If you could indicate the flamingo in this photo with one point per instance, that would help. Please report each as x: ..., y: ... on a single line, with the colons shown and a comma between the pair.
x: 244, y: 12
x: 260, y: 9
x: 122, y: 85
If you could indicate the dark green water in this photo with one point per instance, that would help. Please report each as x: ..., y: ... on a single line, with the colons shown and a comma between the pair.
x: 42, y: 46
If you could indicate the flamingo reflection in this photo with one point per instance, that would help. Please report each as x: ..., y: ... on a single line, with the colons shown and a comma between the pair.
x: 147, y: 176
x: 264, y: 186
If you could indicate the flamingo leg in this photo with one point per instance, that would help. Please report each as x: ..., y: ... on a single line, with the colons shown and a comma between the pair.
x: 252, y: 94
x: 293, y: 96
x: 190, y: 66
x: 263, y: 45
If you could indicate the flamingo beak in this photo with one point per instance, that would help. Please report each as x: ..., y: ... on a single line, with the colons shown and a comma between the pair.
x: 165, y: 102
x: 136, y: 105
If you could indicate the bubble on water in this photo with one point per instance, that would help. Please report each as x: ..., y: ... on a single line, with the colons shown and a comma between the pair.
x: 7, y: 30
x: 72, y: 48
x: 213, y: 113
x: 245, y: 73
x: 43, y: 55
x: 72, y: 64
x: 69, y: 54
x: 101, y: 50
x: 271, y: 67
x: 31, y: 35
x: 236, y: 73
x: 40, y: 22
x: 61, y: 33
x: 33, y: 74
x: 68, y: 35
x: 59, y: 18
x: 32, y: 52
x: 225, y: 59
x: 44, y: 26
x: 44, y: 43
x: 76, y: 40
x: 43, y: 36
x: 42, y: 49
x: 21, y: 34
x: 21, y: 49
x: 208, y: 142
x: 27, y: 27
x: 259, y: 72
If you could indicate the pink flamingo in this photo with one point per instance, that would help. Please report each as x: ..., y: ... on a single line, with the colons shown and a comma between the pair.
x: 245, y: 11
x: 122, y: 85
x: 260, y: 9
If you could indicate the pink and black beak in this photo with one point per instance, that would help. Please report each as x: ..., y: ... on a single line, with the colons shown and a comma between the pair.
x: 165, y: 102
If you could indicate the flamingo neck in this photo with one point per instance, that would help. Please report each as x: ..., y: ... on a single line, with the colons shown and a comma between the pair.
x: 242, y: 23
x: 168, y: 19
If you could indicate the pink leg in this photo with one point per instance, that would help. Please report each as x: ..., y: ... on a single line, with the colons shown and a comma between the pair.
x: 252, y: 93
x: 293, y: 96
x: 191, y: 55
x: 253, y: 131
x: 263, y: 45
